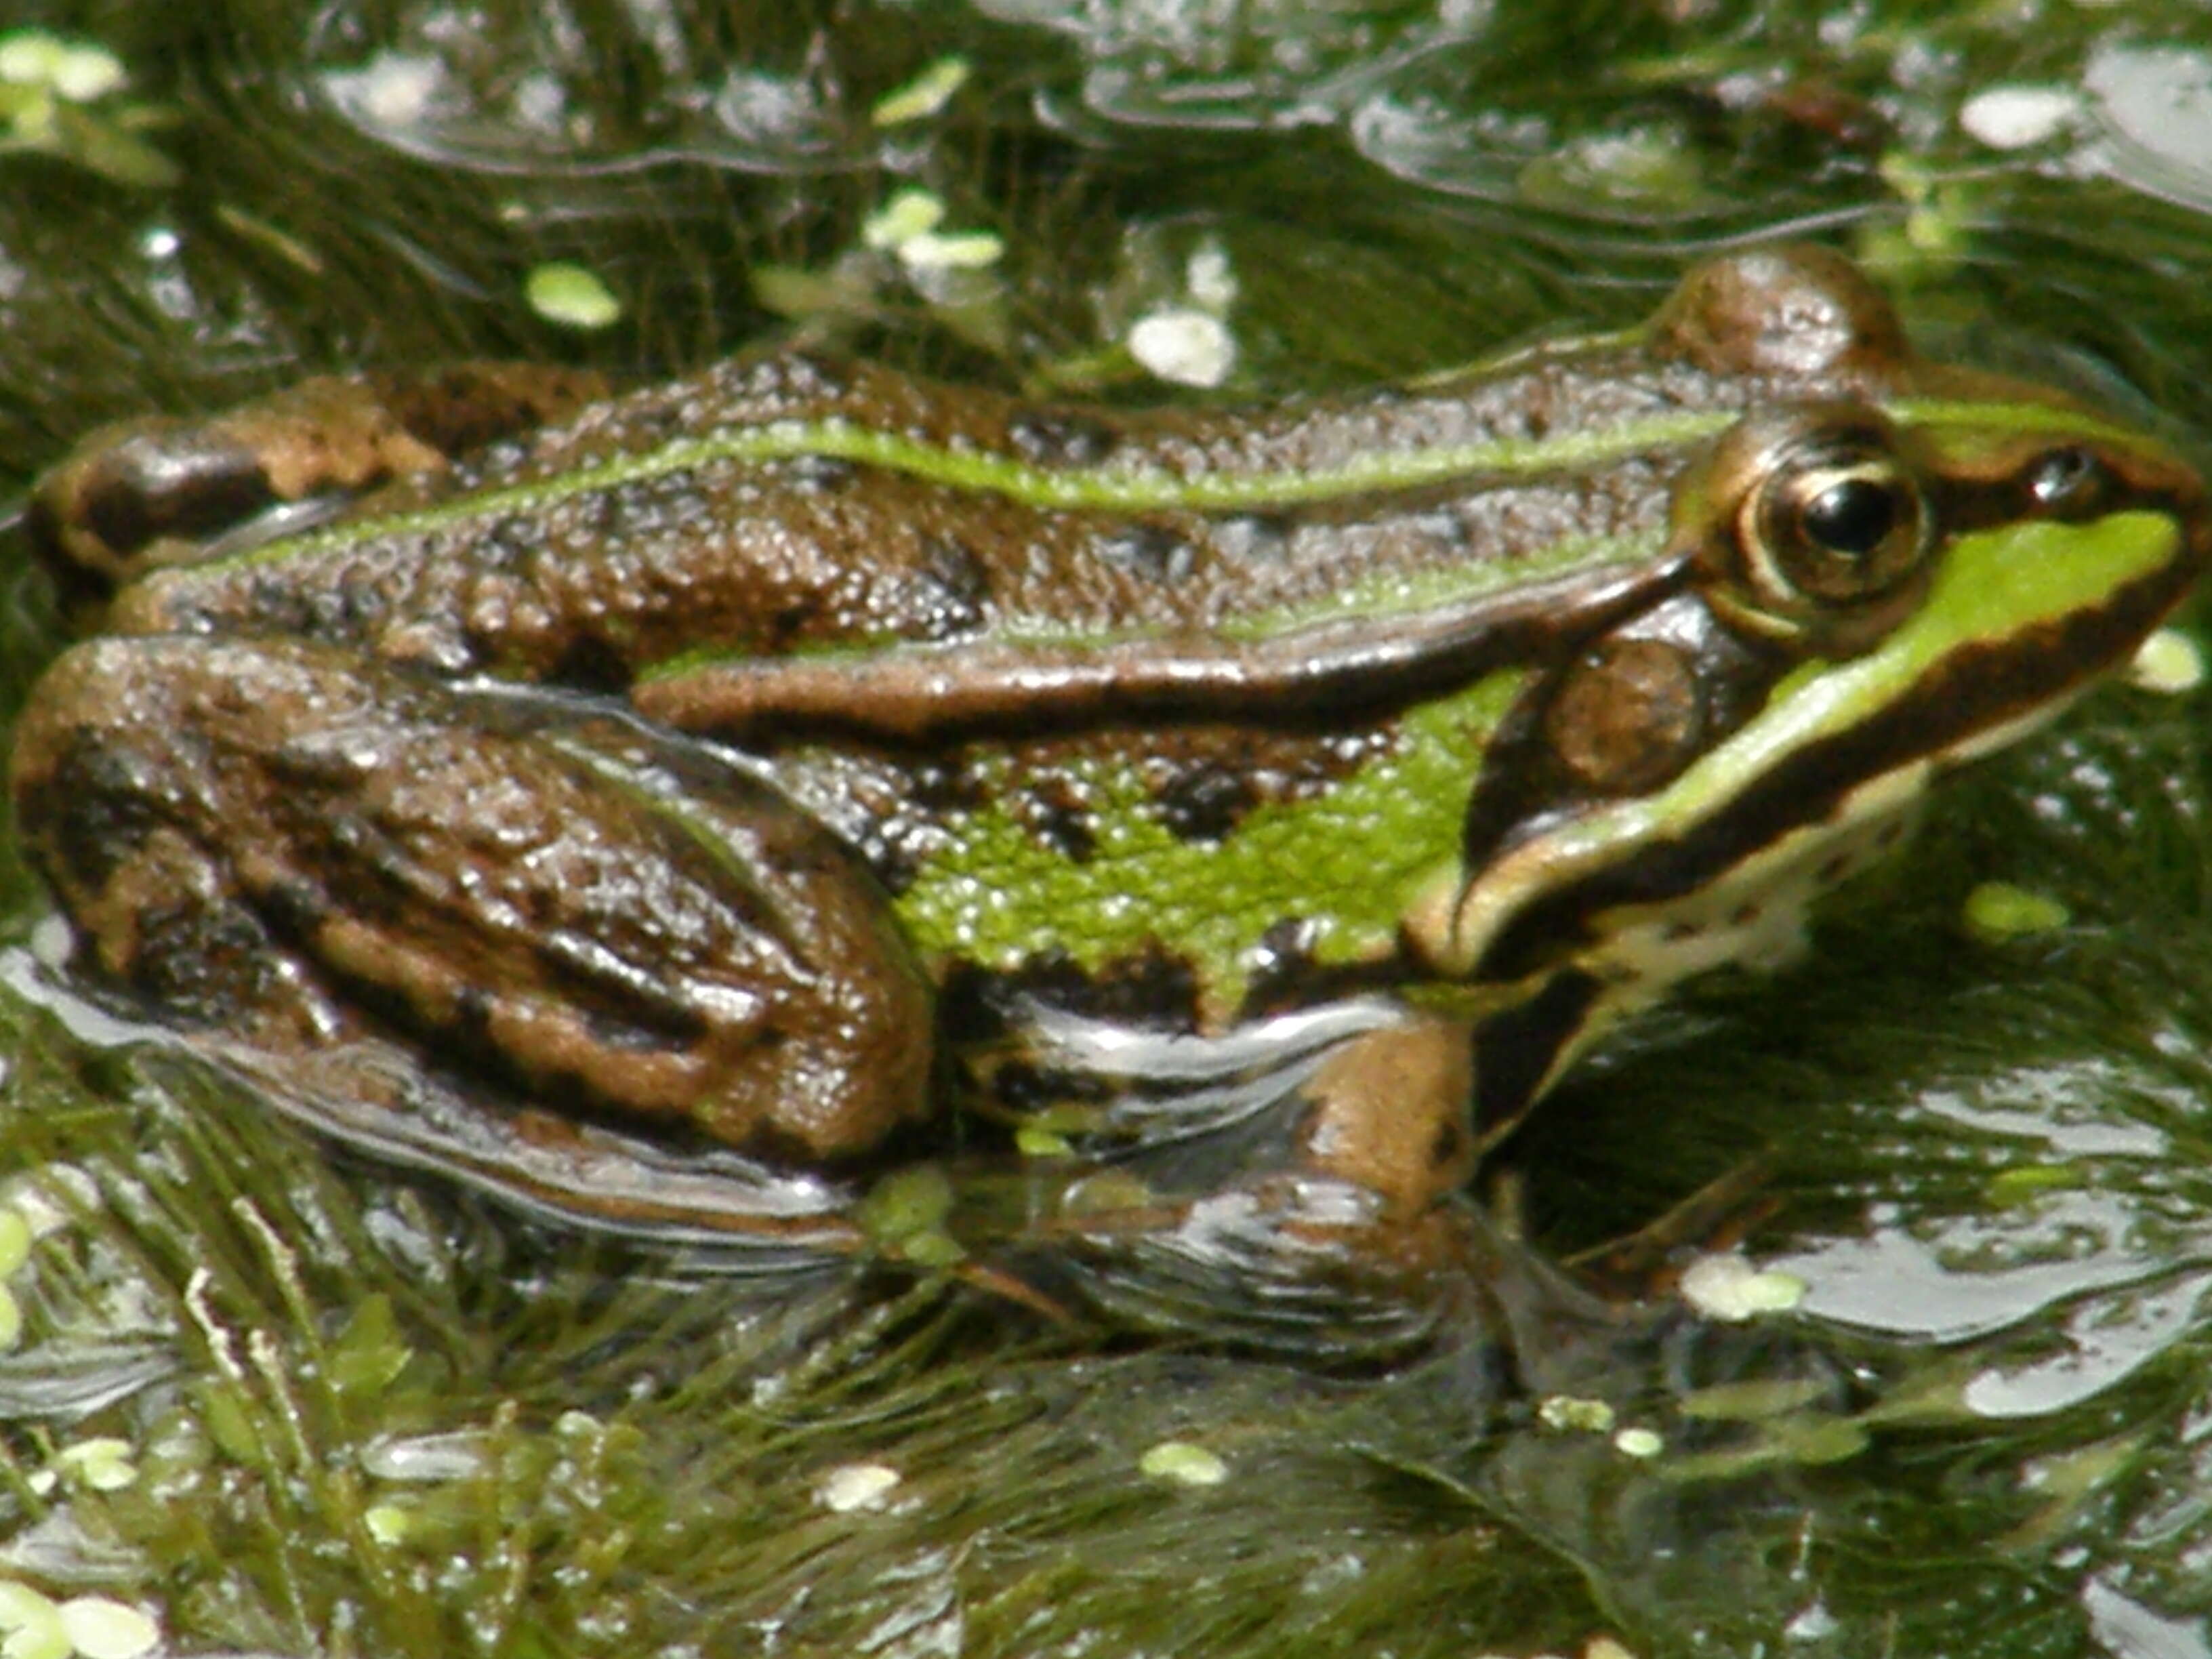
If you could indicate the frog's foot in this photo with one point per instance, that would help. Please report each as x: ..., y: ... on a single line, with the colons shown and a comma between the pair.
x: 152, y: 491
x: 281, y: 840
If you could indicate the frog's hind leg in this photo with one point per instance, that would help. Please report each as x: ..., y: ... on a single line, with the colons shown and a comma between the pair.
x: 278, y: 839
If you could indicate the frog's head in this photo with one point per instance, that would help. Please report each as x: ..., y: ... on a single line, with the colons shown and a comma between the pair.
x: 1860, y: 595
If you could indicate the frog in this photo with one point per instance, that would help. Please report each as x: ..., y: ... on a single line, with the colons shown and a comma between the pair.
x: 685, y: 810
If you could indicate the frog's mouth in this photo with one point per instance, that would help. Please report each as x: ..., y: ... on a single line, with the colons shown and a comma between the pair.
x: 1648, y: 890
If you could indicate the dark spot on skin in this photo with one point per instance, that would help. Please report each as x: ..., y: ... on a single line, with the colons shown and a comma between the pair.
x: 896, y: 865
x: 1205, y: 803
x: 1253, y: 537
x: 1833, y: 869
x: 610, y: 1028
x: 1745, y: 915
x: 1061, y: 438
x: 293, y: 907
x: 1154, y: 989
x: 507, y: 544
x: 589, y: 663
x: 470, y: 1020
x: 361, y: 599
x: 820, y: 475
x: 1151, y: 988
x: 540, y: 904
x: 975, y: 1007
x: 200, y: 961
x: 786, y: 623
x: 279, y: 606
x: 804, y: 374
x: 1289, y: 939
x: 309, y: 768
x: 1152, y: 550
x: 620, y: 1015
x: 1674, y: 932
x: 1449, y: 1143
x: 946, y: 786
x: 95, y: 810
x: 1284, y: 972
x: 1062, y: 819
x: 789, y: 851
x: 375, y: 875
x: 959, y: 588
x: 658, y: 424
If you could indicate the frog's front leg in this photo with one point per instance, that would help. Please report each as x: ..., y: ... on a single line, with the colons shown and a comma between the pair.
x: 1331, y: 1141
x: 282, y: 839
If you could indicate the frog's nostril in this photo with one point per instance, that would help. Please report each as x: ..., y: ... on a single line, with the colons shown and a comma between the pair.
x: 2069, y: 483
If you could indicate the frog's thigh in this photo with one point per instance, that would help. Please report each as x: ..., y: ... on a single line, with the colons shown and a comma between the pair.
x: 276, y: 835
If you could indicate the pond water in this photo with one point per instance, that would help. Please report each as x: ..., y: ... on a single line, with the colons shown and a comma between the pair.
x: 283, y: 1400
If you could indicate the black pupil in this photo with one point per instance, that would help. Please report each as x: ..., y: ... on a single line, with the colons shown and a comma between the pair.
x: 1853, y: 518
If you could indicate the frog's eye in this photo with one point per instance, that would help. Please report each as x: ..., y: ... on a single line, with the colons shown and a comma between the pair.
x: 1835, y: 523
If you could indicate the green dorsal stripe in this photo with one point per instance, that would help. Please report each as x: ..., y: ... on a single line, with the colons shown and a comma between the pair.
x: 1121, y: 489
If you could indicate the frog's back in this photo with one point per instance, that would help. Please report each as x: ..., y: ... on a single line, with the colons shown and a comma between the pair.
x: 786, y: 504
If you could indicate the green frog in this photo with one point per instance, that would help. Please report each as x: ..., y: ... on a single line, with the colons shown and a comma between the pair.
x: 676, y: 809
